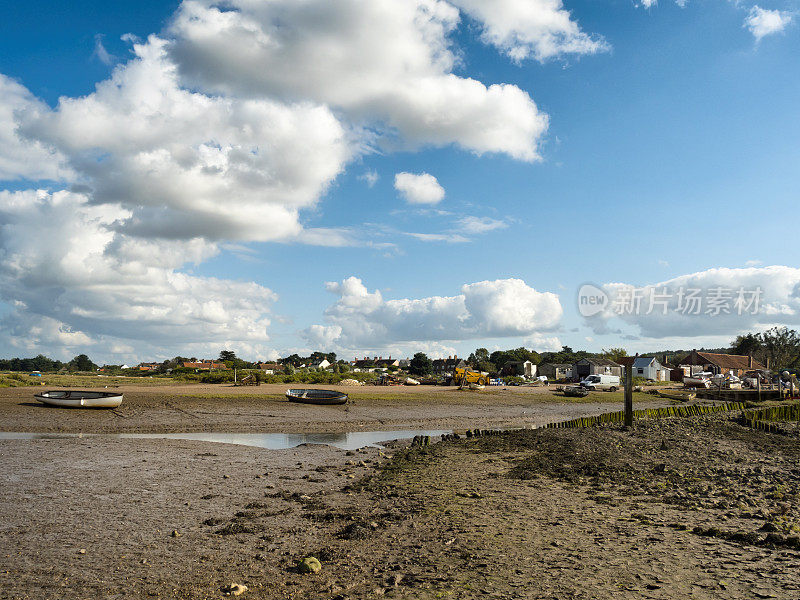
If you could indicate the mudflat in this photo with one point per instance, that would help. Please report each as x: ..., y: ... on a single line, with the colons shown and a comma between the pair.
x: 672, y: 508
x: 226, y: 408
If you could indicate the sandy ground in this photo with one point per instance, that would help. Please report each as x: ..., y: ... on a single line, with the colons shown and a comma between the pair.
x: 197, y: 408
x: 682, y: 508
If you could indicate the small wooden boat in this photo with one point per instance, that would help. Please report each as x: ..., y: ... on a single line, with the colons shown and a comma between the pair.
x: 306, y: 396
x: 80, y: 399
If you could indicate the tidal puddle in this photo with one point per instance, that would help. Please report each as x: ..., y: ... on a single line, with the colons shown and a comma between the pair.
x: 351, y: 440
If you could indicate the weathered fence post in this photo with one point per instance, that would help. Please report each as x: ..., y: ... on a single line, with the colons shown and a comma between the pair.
x: 629, y: 393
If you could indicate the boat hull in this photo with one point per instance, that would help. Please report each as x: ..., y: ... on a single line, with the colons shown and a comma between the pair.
x: 80, y: 399
x: 323, y: 397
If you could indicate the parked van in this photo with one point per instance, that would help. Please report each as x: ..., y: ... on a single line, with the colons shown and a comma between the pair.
x: 601, y: 382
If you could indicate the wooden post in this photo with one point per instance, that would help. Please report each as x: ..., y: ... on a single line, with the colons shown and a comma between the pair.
x: 629, y: 394
x: 759, y: 386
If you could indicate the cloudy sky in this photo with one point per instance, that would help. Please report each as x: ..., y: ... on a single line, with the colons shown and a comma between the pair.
x: 387, y: 176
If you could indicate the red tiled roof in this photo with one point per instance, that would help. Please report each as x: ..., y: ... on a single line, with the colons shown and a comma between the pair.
x: 730, y: 361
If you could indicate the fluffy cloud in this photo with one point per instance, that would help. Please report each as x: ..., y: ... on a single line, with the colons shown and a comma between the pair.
x: 73, y: 281
x: 22, y: 158
x: 485, y: 309
x: 419, y: 189
x: 189, y: 165
x: 762, y: 22
x: 380, y: 61
x: 539, y: 29
x: 225, y: 127
x: 716, y: 302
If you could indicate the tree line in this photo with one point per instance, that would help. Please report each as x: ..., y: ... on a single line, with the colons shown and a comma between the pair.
x: 780, y: 346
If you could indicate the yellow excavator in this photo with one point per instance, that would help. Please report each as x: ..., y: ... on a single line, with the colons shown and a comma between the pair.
x: 463, y: 377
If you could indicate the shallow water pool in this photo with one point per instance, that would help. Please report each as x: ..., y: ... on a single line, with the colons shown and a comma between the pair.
x: 272, y: 441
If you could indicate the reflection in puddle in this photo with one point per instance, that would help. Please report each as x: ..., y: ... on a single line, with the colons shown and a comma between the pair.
x: 271, y: 441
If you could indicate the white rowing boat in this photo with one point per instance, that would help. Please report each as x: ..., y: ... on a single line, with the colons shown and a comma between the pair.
x: 80, y: 399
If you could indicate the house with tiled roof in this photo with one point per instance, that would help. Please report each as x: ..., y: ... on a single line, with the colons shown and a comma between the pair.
x: 205, y: 365
x: 718, y: 364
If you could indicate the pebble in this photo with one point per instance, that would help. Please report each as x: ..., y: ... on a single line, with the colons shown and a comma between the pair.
x: 309, y: 564
x: 234, y: 589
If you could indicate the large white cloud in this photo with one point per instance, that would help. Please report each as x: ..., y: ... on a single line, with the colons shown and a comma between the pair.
x: 715, y: 302
x: 379, y: 61
x: 22, y: 158
x: 74, y: 282
x: 190, y: 165
x: 540, y: 29
x: 227, y: 126
x: 485, y: 309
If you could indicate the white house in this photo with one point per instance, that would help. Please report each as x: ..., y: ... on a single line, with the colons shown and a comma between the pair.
x: 649, y: 368
x: 321, y: 365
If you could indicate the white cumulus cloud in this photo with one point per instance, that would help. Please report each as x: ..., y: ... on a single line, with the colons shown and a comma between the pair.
x: 419, y: 189
x: 539, y: 29
x: 71, y: 281
x: 189, y: 165
x: 22, y: 158
x: 763, y: 22
x: 387, y: 63
x: 501, y: 308
x: 715, y: 302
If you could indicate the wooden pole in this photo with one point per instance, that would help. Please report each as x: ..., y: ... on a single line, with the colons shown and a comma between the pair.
x: 629, y: 393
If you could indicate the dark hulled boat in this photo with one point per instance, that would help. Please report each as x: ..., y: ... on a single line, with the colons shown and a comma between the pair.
x: 306, y: 396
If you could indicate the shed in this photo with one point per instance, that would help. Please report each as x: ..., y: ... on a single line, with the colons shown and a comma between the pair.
x: 595, y: 366
x: 555, y: 371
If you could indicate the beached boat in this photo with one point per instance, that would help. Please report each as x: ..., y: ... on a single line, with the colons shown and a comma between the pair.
x: 80, y: 399
x: 316, y: 396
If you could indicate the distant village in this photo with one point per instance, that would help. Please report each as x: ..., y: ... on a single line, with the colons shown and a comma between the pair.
x: 518, y: 364
x: 649, y: 368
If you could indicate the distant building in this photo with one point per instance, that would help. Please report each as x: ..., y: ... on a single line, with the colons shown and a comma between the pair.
x: 205, y: 365
x: 555, y: 371
x: 320, y: 365
x: 595, y: 366
x: 446, y: 366
x: 149, y: 366
x: 271, y: 368
x: 368, y: 364
x: 519, y: 368
x: 717, y: 364
x: 647, y: 367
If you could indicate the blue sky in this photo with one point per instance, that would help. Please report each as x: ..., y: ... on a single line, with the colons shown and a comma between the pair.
x: 668, y: 159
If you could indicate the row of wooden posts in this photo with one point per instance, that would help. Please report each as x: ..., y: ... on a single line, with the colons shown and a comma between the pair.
x: 763, y: 418
x: 649, y: 413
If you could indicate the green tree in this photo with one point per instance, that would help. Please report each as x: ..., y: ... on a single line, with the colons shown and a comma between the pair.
x: 420, y: 364
x: 226, y: 355
x: 747, y: 344
x: 614, y: 353
x: 481, y: 355
x: 81, y: 363
x: 781, y: 346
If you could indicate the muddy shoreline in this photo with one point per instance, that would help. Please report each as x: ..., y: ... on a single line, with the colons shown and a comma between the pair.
x: 264, y: 409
